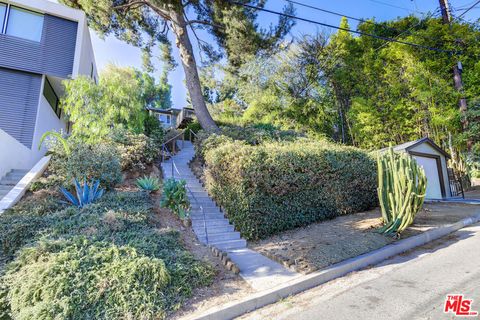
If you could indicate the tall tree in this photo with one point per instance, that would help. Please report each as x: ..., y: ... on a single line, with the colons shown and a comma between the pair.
x: 145, y: 23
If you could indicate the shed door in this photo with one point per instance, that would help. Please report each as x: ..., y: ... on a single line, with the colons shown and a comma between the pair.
x: 430, y: 166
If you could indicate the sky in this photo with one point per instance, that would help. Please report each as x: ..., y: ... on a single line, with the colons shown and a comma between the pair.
x: 111, y: 50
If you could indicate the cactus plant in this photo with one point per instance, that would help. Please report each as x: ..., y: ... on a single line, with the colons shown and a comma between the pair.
x: 401, y: 190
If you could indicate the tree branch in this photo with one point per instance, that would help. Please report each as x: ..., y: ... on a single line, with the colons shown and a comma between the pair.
x: 205, y: 22
x: 128, y: 5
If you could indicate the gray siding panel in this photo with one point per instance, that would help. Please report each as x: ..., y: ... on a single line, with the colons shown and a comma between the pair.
x: 19, y: 94
x: 54, y: 55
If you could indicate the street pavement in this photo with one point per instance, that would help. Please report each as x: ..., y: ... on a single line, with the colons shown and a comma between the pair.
x: 410, y: 286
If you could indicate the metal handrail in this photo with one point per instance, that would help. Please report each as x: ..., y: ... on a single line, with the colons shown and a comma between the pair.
x: 175, y: 168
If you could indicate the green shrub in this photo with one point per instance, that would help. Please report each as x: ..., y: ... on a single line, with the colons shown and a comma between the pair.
x: 208, y: 141
x: 102, y: 261
x: 19, y: 230
x: 175, y: 197
x: 81, y: 279
x: 273, y: 187
x: 98, y: 162
x: 136, y: 151
x: 250, y: 134
x: 37, y: 206
x: 193, y: 126
x: 154, y: 129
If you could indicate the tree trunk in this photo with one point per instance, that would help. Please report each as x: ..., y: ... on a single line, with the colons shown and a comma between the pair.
x: 189, y: 64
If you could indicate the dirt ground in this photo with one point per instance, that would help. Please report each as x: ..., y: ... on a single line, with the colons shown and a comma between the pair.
x: 325, y: 243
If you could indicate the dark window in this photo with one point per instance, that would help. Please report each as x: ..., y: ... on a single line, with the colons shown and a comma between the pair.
x: 52, y: 98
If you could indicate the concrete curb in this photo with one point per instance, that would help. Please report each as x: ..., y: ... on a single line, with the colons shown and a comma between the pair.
x: 21, y: 187
x: 263, y: 298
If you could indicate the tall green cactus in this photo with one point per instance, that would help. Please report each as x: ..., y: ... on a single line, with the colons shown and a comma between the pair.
x: 401, y: 190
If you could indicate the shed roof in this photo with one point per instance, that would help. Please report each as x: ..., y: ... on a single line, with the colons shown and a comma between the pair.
x: 407, y: 146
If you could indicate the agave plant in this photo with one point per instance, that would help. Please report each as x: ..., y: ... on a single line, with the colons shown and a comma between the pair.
x: 85, y: 194
x: 150, y: 184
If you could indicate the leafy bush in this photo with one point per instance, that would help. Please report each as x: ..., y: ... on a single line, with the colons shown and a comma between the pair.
x: 250, y: 134
x: 100, y: 162
x: 81, y: 279
x: 148, y: 183
x: 47, y: 203
x: 175, y: 197
x: 154, y: 129
x: 19, y: 230
x: 193, y: 126
x: 102, y: 261
x: 278, y: 186
x: 85, y: 194
x: 207, y: 141
x: 136, y: 151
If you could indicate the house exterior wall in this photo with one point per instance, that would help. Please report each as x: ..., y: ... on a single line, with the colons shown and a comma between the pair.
x: 46, y: 120
x: 64, y: 51
x: 426, y: 148
x: 19, y: 94
x: 13, y: 154
x: 53, y: 55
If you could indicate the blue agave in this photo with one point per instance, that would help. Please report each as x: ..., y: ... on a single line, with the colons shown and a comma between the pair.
x: 85, y: 194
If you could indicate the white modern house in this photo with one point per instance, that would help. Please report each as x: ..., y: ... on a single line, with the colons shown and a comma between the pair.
x: 41, y: 44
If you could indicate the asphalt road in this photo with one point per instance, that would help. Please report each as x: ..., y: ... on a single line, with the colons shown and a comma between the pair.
x: 410, y: 286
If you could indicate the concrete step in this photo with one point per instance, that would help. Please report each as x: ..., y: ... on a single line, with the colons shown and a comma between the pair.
x: 206, y: 210
x: 9, y: 182
x: 229, y: 245
x: 219, y: 237
x: 214, y: 229
x: 206, y: 216
x: 204, y: 198
x: 3, y: 193
x: 196, y: 186
x: 14, y: 175
x: 210, y: 223
x: 199, y: 206
x: 168, y: 175
x: 198, y: 195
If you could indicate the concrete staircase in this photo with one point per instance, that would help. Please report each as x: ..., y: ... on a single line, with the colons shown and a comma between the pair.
x: 10, y: 180
x: 210, y: 225
x: 213, y: 228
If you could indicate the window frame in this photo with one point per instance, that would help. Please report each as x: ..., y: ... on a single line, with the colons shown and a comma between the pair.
x: 167, y: 116
x: 4, y: 27
x: 57, y: 110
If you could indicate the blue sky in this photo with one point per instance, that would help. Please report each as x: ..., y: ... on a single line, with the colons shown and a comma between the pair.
x: 114, y: 51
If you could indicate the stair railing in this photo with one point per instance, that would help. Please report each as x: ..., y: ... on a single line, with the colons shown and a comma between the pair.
x: 167, y: 152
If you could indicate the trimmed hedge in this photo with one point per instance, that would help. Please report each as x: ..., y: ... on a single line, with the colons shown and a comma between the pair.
x: 277, y: 186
